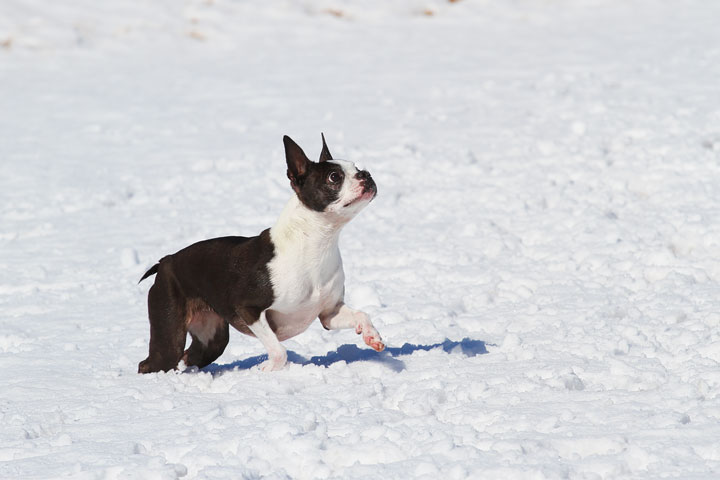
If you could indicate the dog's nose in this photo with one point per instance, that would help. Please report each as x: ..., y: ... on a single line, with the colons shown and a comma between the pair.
x: 362, y: 175
x: 368, y: 184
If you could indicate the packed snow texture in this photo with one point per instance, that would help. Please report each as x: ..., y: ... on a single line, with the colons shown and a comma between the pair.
x: 543, y: 257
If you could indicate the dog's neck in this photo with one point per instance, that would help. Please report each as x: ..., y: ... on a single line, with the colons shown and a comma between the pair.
x: 299, y: 226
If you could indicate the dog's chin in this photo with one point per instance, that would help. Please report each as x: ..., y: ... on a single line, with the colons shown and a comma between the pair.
x: 363, y: 198
x: 344, y: 212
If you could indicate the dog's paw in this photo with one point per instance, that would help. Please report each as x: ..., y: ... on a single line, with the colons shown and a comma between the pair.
x: 372, y: 339
x: 273, y: 363
x: 375, y: 343
x: 150, y: 365
x: 153, y: 365
x: 270, y: 366
x: 144, y: 366
x: 370, y: 336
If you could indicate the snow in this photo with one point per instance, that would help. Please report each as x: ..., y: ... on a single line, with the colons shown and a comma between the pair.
x: 543, y: 257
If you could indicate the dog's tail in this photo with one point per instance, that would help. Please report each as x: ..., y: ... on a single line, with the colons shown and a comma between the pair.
x: 153, y: 270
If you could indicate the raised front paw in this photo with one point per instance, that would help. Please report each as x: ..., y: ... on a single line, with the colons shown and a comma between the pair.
x: 371, y: 337
x: 375, y: 342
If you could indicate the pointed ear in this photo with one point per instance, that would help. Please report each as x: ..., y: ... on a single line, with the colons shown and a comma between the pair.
x: 297, y: 161
x: 325, y: 154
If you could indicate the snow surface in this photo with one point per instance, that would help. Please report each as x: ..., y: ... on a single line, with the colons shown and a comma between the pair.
x: 543, y: 257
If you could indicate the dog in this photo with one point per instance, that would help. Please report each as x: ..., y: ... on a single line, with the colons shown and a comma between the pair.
x: 271, y: 286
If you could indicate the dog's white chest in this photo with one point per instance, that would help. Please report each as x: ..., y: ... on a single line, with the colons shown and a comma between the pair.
x: 300, y: 298
x: 307, y: 278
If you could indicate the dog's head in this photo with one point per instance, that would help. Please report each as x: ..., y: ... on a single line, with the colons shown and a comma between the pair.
x: 331, y: 186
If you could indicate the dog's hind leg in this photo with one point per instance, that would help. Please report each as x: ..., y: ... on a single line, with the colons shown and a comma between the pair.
x: 210, y: 335
x: 167, y: 310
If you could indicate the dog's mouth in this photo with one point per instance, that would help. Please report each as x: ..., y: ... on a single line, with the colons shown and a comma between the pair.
x: 367, y: 194
x: 369, y: 189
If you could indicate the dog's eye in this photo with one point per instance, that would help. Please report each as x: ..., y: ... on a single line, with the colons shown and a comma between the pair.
x: 334, y: 177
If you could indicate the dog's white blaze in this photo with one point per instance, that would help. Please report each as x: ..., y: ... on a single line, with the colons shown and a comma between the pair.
x: 306, y: 271
x: 351, y: 190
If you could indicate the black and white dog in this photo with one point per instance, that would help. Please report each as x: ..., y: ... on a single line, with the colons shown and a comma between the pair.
x: 271, y: 286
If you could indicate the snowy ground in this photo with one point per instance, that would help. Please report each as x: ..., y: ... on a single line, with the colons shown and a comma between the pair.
x: 543, y: 257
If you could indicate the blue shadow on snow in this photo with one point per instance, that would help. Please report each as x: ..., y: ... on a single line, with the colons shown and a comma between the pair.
x: 350, y: 353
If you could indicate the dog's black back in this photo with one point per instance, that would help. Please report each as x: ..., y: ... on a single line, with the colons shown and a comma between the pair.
x: 212, y: 278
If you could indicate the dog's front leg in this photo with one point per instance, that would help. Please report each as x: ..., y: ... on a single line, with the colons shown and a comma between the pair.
x: 343, y: 316
x: 277, y: 355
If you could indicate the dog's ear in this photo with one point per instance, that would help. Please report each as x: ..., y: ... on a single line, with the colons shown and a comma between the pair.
x: 297, y: 161
x: 325, y: 154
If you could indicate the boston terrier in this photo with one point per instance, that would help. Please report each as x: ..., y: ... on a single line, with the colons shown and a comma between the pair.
x: 271, y: 286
